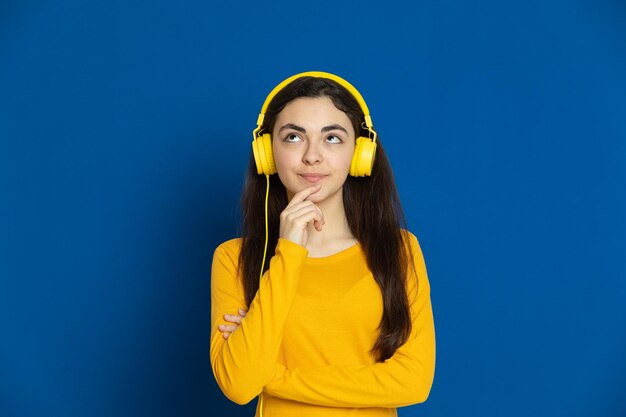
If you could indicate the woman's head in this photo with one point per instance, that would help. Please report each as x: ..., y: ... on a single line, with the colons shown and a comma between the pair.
x: 314, y: 122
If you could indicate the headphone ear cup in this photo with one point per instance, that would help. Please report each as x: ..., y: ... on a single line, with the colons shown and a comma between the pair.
x: 263, y: 155
x: 363, y: 158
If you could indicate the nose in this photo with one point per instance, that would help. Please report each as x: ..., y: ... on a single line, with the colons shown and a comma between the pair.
x: 312, y: 154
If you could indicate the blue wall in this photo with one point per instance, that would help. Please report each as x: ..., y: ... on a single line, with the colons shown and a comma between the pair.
x: 125, y: 128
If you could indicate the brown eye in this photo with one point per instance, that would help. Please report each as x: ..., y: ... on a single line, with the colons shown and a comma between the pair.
x: 292, y: 138
x: 334, y: 139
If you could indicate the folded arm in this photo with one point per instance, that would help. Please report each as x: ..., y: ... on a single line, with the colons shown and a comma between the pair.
x: 246, y: 361
x: 403, y: 379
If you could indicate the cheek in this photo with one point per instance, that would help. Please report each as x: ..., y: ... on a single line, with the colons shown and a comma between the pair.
x: 285, y: 183
x: 346, y: 160
x: 281, y: 158
x: 283, y: 162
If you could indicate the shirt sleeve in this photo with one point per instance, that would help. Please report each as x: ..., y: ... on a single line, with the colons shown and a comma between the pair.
x: 246, y: 361
x: 403, y: 379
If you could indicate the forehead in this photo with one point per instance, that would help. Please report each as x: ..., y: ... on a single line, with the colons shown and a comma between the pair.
x: 313, y: 112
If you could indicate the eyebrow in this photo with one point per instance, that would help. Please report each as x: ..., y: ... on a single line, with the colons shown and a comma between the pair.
x: 303, y: 130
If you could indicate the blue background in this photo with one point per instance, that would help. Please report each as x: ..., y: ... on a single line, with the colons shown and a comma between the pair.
x: 125, y: 129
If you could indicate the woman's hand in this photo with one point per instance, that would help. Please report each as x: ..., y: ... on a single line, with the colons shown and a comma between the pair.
x: 227, y: 329
x: 298, y: 214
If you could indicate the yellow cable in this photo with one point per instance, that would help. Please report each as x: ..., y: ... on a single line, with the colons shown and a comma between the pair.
x: 267, y: 194
x: 261, y: 404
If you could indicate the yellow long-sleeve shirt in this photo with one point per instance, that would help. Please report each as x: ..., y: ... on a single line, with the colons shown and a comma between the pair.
x: 306, y: 339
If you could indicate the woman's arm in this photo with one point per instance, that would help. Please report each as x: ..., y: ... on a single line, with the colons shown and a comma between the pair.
x: 403, y: 379
x: 245, y: 361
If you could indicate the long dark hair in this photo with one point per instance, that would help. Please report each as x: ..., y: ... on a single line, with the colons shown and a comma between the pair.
x: 373, y: 212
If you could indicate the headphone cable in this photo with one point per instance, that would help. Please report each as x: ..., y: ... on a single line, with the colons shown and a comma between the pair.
x: 267, y: 194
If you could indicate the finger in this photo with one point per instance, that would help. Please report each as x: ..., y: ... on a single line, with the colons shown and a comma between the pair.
x: 226, y: 335
x: 303, y: 194
x: 299, y: 206
x: 303, y: 210
x: 227, y: 327
x: 302, y: 218
x: 232, y: 318
x: 242, y: 312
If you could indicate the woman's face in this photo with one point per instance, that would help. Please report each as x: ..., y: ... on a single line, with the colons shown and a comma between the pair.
x: 313, y: 143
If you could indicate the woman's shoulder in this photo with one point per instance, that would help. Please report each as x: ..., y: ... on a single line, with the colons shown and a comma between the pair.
x: 409, y: 238
x: 229, y: 248
x: 417, y: 259
x: 413, y: 246
x: 234, y: 243
x: 226, y: 258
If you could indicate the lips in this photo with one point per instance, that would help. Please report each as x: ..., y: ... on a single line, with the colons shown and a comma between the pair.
x: 313, y: 178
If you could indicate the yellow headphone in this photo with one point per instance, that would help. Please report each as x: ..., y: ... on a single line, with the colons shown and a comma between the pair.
x: 364, y: 152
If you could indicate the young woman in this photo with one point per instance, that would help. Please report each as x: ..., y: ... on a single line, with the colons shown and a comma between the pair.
x: 323, y: 307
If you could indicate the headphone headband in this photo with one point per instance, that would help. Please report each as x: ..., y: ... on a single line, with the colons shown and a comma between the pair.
x: 355, y: 93
x: 365, y: 147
